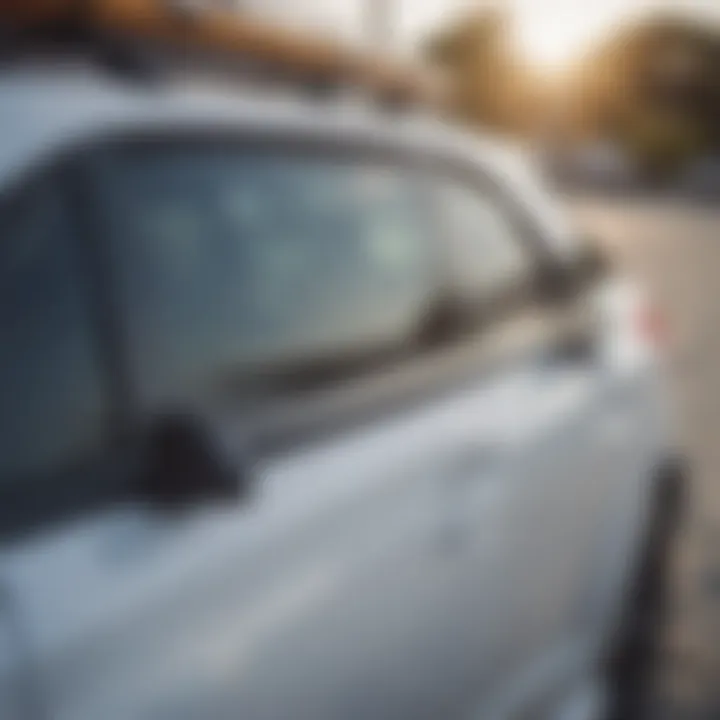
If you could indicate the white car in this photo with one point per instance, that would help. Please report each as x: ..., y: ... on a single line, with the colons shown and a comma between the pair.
x: 311, y: 412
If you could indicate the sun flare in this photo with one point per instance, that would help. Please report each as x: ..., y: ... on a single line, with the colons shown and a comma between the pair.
x: 553, y: 34
x: 550, y: 47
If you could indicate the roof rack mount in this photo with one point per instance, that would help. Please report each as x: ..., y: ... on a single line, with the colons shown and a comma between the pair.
x: 154, y: 35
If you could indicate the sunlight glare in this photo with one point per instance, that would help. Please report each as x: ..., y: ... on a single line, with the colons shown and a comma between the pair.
x: 550, y: 47
x: 552, y: 34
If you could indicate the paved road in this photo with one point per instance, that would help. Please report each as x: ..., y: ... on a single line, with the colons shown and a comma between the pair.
x: 675, y: 248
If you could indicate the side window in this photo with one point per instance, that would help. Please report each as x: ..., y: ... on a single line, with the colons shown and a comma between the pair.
x: 230, y: 263
x: 52, y: 407
x: 487, y: 253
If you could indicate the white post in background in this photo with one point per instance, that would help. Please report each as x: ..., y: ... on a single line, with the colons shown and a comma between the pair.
x: 379, y: 22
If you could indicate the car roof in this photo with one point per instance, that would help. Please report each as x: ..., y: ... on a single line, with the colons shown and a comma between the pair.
x: 43, y: 108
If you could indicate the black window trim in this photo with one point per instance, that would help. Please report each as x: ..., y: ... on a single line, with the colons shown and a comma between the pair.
x: 66, y: 168
x: 38, y: 499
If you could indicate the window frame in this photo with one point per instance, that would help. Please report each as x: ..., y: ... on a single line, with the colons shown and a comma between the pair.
x: 484, y: 179
x: 521, y: 293
x: 40, y: 498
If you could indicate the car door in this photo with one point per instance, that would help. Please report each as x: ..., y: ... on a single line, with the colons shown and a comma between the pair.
x: 550, y: 477
x: 277, y: 302
x: 55, y: 416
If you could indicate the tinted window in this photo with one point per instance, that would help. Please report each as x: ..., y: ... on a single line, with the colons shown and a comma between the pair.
x: 229, y: 263
x: 487, y: 253
x: 51, y: 407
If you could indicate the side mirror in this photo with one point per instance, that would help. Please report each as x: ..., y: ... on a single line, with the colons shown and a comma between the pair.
x: 182, y: 464
x: 591, y: 263
x: 561, y: 281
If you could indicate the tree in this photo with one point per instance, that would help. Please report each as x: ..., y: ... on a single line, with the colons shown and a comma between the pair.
x: 650, y: 87
x: 475, y: 58
x: 653, y: 88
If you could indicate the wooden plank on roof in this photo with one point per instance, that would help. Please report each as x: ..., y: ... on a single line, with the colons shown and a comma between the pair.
x: 208, y: 29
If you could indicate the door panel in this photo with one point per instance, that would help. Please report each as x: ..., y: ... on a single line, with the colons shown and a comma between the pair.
x: 364, y: 578
x: 577, y: 522
x: 556, y: 496
x: 336, y: 586
x: 18, y: 689
x: 550, y: 495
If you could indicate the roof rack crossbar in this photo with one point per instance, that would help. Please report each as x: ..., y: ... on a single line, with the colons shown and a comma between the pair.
x: 147, y: 36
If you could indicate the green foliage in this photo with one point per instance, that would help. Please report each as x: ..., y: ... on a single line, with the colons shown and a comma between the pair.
x: 655, y: 88
x: 476, y: 60
x: 662, y: 145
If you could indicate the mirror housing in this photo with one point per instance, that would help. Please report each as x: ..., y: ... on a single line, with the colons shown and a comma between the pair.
x: 557, y: 281
x: 182, y: 464
x: 591, y: 263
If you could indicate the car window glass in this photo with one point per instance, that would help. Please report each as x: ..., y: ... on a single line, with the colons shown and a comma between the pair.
x: 52, y: 407
x: 229, y: 263
x: 487, y: 254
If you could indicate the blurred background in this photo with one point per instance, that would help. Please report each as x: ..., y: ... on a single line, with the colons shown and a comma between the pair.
x: 620, y: 101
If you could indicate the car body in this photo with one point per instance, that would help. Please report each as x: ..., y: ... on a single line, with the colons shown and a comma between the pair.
x: 253, y: 466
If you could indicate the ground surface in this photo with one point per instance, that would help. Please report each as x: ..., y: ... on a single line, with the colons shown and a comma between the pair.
x: 674, y: 246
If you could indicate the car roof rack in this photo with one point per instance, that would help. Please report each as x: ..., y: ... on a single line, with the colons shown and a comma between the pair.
x: 151, y: 37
